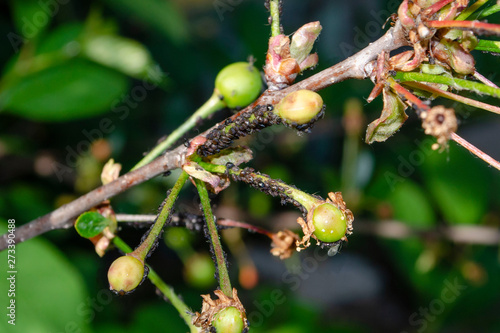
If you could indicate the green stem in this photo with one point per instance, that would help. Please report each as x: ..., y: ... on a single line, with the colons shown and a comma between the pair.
x: 212, y: 105
x: 455, y: 97
x: 165, y: 289
x: 274, y: 10
x: 306, y: 200
x: 460, y: 84
x: 142, y: 250
x: 224, y: 282
x: 469, y: 11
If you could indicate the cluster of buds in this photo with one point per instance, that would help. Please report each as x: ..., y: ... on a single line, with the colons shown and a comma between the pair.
x: 448, y: 47
x: 285, y: 59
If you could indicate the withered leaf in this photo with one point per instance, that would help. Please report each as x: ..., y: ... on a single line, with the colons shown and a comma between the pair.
x: 392, y: 118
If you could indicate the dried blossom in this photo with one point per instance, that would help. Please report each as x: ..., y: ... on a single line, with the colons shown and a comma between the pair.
x: 283, y: 245
x: 210, y: 308
x: 439, y: 122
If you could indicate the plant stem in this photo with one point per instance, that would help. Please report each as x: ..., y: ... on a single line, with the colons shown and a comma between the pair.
x: 481, y: 27
x: 455, y: 97
x: 262, y: 182
x: 143, y: 249
x: 224, y: 282
x: 469, y: 11
x: 450, y: 81
x: 165, y: 289
x: 476, y: 151
x: 274, y: 10
x: 212, y: 105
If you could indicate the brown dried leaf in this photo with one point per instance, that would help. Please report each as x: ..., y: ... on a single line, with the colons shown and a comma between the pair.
x: 215, y: 183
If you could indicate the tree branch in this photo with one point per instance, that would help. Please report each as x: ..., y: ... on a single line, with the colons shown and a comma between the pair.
x: 357, y: 66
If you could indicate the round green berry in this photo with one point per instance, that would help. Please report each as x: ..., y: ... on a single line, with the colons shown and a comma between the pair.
x: 199, y: 271
x: 300, y: 106
x: 125, y: 274
x: 228, y: 320
x: 239, y: 84
x: 330, y: 223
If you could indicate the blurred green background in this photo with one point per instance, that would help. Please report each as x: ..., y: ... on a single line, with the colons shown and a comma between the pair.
x: 108, y: 78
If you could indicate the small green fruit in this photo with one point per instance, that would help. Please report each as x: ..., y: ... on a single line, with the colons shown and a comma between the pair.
x: 300, y: 106
x: 228, y: 320
x: 330, y: 223
x: 125, y: 274
x: 239, y: 84
x: 199, y: 271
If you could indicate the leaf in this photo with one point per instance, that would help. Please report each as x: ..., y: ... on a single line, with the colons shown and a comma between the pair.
x: 235, y: 155
x: 459, y: 185
x: 488, y: 46
x: 411, y: 205
x: 32, y: 17
x: 392, y: 118
x: 216, y: 183
x: 123, y: 54
x: 158, y: 14
x: 91, y: 224
x: 74, y: 90
x: 50, y: 293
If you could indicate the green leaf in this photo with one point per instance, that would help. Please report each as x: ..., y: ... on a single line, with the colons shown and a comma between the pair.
x: 488, y: 46
x: 161, y: 15
x: 50, y: 292
x: 91, y: 224
x: 74, y: 90
x: 392, y: 118
x: 458, y: 184
x: 60, y: 38
x: 123, y: 54
x: 411, y: 205
x: 32, y: 17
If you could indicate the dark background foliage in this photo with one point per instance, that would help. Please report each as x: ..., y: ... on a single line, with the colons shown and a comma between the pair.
x: 63, y: 90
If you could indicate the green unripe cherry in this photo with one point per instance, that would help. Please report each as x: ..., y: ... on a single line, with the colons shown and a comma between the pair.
x: 330, y: 223
x: 300, y: 106
x: 228, y: 320
x: 125, y: 274
x: 199, y: 271
x: 239, y: 84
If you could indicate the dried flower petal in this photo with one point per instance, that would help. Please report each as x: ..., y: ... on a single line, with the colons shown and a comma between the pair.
x: 439, y: 122
x: 283, y: 244
x: 211, y: 307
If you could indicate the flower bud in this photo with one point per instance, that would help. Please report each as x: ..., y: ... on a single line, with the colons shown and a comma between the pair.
x: 228, y: 320
x: 239, y: 84
x: 300, y: 106
x: 330, y: 223
x: 451, y: 53
x: 125, y: 274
